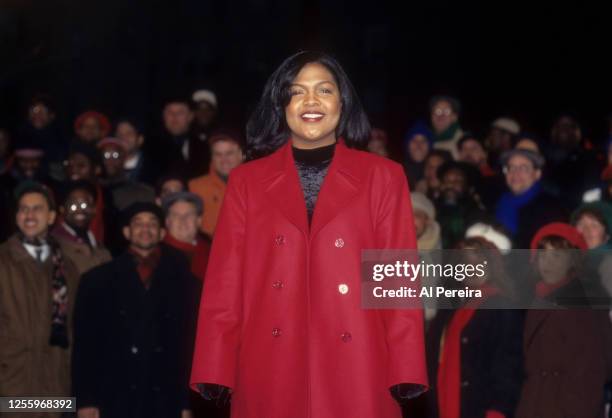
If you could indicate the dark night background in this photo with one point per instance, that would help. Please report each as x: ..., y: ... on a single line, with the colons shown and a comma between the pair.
x: 124, y: 57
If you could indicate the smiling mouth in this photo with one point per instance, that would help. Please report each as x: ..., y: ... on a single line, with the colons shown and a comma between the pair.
x: 312, y: 116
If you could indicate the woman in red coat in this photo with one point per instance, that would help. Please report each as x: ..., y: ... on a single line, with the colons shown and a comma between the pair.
x: 281, y: 327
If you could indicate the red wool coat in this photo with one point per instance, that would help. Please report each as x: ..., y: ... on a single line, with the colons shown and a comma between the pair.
x: 280, y: 319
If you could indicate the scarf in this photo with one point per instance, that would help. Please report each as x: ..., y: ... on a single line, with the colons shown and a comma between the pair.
x: 59, y: 292
x: 197, y: 253
x: 449, y: 367
x: 509, y: 205
x: 447, y: 134
x: 145, y: 266
x: 543, y: 289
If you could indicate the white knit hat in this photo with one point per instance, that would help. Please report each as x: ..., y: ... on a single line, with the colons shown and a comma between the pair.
x: 482, y: 230
x: 205, y: 96
x: 507, y: 124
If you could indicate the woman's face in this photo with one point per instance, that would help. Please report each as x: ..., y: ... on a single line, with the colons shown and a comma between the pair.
x: 592, y: 230
x: 314, y: 110
x: 553, y: 264
x: 418, y: 147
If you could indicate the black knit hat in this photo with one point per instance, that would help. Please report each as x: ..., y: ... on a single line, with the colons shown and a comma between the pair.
x: 140, y: 207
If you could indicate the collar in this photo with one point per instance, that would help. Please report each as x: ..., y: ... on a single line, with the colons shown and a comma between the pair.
x: 68, y: 229
x: 33, y: 250
x: 342, y: 183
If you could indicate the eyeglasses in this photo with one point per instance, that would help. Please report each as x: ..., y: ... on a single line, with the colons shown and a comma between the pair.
x: 111, y: 155
x: 523, y: 169
x: 442, y: 111
x: 76, y: 206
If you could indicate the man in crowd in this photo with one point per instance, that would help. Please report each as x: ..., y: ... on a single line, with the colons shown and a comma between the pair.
x: 526, y: 206
x: 457, y: 206
x: 206, y: 114
x: 42, y: 130
x: 134, y: 327
x: 183, y: 219
x: 37, y: 293
x: 444, y: 116
x: 574, y: 166
x: 119, y: 191
x: 489, y: 182
x: 169, y: 184
x: 91, y: 126
x: 73, y: 232
x: 227, y: 154
x: 177, y: 149
x: 139, y: 164
x: 501, y: 137
x: 83, y: 164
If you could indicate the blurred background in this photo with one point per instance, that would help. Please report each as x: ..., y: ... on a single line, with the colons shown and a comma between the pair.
x: 126, y: 56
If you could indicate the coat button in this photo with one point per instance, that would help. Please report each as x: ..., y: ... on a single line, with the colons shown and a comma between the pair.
x: 278, y: 284
x: 339, y: 243
x: 280, y: 240
x: 465, y: 383
x: 464, y: 340
x: 276, y: 332
x: 556, y: 374
x: 343, y: 288
x: 346, y: 337
x: 134, y: 349
x: 544, y: 373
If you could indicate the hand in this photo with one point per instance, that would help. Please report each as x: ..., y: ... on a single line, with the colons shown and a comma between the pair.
x: 212, y: 391
x: 405, y: 391
x: 186, y: 413
x: 88, y: 412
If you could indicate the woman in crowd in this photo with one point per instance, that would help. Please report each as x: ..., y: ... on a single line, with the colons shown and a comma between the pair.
x: 474, y: 352
x: 568, y: 356
x: 281, y: 326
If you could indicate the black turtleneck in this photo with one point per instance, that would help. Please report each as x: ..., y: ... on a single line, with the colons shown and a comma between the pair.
x: 312, y: 165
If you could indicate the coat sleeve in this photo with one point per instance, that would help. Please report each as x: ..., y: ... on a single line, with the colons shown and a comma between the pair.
x: 220, y: 315
x: 404, y: 327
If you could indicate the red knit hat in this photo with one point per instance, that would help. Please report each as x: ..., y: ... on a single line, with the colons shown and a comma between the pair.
x: 102, y: 119
x: 559, y: 229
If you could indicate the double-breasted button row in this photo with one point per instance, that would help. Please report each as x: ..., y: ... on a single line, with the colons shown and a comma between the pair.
x: 276, y: 332
x: 546, y: 373
x: 278, y: 284
x: 281, y: 240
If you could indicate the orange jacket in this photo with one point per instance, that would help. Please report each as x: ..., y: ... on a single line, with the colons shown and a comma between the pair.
x: 211, y: 190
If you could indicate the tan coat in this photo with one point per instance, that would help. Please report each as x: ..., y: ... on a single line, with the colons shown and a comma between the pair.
x: 28, y: 364
x: 211, y: 190
x: 84, y: 258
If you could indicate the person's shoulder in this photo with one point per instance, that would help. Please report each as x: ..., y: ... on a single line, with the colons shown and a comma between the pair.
x: 199, y: 181
x: 105, y: 271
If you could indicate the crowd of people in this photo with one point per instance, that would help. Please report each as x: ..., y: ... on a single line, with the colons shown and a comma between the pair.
x: 106, y: 235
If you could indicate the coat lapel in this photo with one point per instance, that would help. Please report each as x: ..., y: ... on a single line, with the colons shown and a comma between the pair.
x: 283, y: 188
x: 340, y: 187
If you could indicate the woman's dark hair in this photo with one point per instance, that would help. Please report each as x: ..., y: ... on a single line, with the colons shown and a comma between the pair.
x: 267, y: 129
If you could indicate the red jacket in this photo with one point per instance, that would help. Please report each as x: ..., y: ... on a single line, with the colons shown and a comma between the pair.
x: 281, y: 321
